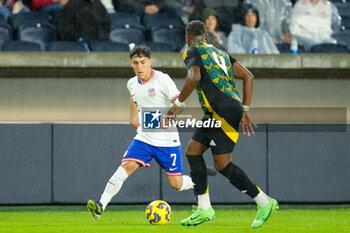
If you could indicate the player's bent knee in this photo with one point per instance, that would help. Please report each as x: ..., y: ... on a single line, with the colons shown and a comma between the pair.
x: 176, y: 186
x: 130, y: 166
x: 221, y: 161
x: 175, y: 183
x: 219, y: 166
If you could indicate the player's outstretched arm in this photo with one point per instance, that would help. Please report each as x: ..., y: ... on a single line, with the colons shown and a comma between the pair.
x: 192, y: 79
x: 134, y: 118
x: 248, y: 83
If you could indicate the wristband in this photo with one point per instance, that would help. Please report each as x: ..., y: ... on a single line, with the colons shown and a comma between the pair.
x: 178, y: 103
x: 245, y: 108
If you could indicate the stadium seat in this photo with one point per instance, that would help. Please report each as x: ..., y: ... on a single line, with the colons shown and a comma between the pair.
x: 20, y: 46
x: 173, y: 37
x: 343, y: 8
x: 125, y: 20
x: 158, y: 47
x: 127, y: 35
x: 65, y: 46
x: 5, y: 33
x: 2, y: 19
x: 30, y: 19
x: 345, y: 22
x: 108, y: 46
x: 155, y: 21
x: 285, y: 48
x: 344, y: 12
x: 342, y: 37
x: 329, y: 48
x: 55, y: 17
x: 40, y: 35
x: 342, y: 1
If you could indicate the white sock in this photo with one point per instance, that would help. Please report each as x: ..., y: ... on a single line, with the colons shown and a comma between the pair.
x: 113, y: 186
x: 186, y: 183
x: 204, y: 201
x: 262, y: 199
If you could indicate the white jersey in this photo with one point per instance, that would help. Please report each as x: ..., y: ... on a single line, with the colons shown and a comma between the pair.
x: 312, y: 21
x: 158, y: 91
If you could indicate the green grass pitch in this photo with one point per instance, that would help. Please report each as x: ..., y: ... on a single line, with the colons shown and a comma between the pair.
x: 123, y: 218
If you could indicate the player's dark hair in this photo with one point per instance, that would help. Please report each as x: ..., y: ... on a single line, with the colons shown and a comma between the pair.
x: 195, y: 28
x: 140, y: 50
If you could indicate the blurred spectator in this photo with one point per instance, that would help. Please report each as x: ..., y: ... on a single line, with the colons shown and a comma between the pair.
x: 87, y: 19
x: 20, y: 6
x: 274, y: 15
x: 8, y: 7
x: 4, y: 10
x: 250, y: 38
x: 187, y: 10
x: 215, y: 37
x: 139, y: 7
x: 50, y: 6
x: 108, y: 4
x: 221, y: 3
x: 310, y: 23
x: 227, y: 10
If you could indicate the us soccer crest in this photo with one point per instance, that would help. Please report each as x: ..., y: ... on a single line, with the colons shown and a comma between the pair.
x: 151, y: 92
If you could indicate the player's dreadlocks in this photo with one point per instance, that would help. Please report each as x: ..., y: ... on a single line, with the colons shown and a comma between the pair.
x: 195, y: 29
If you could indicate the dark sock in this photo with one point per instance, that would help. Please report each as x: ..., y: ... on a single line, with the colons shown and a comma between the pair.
x: 240, y: 180
x: 198, y: 173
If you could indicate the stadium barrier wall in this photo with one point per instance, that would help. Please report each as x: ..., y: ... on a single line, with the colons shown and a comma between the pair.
x: 71, y: 163
x: 57, y: 162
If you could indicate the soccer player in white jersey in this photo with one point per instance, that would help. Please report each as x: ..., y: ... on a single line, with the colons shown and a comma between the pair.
x: 149, y: 88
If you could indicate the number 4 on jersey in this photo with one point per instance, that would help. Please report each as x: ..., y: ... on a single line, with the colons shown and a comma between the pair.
x: 221, y: 63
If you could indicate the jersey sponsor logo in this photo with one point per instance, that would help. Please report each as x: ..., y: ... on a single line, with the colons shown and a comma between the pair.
x: 151, y: 92
x: 151, y: 119
x: 172, y: 169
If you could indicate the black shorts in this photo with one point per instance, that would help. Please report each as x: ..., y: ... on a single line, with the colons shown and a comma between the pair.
x: 217, y: 138
x: 226, y: 109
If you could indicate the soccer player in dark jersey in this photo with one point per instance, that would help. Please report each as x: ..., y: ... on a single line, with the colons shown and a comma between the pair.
x: 212, y: 73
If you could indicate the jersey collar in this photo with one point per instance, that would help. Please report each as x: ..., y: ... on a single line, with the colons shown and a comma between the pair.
x: 200, y: 42
x: 150, y: 77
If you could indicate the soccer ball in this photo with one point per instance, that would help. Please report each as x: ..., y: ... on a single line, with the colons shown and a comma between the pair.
x: 158, y: 212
